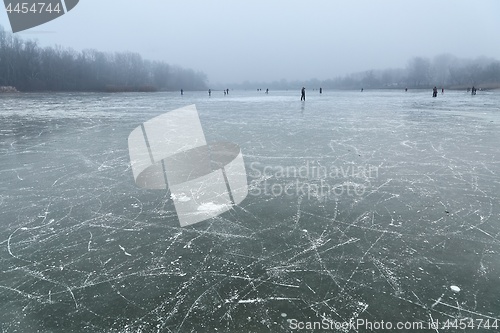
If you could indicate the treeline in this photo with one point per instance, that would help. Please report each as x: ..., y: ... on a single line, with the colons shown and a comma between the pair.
x: 29, y: 67
x: 444, y: 71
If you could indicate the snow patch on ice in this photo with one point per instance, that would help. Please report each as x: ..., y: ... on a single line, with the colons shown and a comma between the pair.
x: 211, y: 207
x: 181, y: 198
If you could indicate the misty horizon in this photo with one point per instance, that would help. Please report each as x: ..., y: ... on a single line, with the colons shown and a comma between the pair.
x: 263, y: 42
x: 64, y: 69
x: 445, y: 69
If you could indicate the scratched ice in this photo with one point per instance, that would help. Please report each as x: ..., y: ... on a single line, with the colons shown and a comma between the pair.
x: 416, y: 238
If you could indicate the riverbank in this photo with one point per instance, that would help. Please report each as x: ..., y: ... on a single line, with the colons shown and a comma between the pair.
x: 8, y: 89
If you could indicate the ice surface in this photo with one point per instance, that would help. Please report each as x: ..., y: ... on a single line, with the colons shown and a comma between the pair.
x: 366, y: 206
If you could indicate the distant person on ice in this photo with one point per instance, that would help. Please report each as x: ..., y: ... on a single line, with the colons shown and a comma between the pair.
x: 320, y: 90
x: 303, y: 94
x: 209, y: 92
x: 434, y: 92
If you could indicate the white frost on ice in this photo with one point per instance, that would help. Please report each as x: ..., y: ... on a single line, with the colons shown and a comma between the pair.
x: 124, y: 251
x: 211, y: 207
x: 181, y: 198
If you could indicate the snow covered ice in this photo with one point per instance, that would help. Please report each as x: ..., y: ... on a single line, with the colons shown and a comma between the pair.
x: 382, y: 205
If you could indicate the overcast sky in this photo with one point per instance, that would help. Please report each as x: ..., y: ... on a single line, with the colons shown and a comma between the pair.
x: 266, y: 40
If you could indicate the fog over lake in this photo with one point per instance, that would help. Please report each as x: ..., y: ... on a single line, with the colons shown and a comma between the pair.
x: 234, y: 41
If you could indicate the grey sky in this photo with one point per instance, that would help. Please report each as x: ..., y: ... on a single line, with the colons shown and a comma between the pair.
x: 265, y: 40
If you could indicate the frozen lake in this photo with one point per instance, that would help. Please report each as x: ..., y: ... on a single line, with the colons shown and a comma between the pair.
x: 381, y: 205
